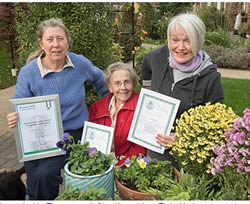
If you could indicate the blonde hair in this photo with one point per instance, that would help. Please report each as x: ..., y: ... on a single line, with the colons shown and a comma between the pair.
x: 194, y: 27
x: 53, y: 22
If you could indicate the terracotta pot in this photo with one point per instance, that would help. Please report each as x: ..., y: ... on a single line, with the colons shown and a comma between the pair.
x: 129, y: 194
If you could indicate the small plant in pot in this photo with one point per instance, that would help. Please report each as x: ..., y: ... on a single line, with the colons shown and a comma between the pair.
x: 91, y: 193
x: 139, y: 174
x: 86, y: 166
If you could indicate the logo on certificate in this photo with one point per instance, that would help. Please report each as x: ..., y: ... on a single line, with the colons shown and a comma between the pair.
x: 91, y: 136
x: 149, y: 105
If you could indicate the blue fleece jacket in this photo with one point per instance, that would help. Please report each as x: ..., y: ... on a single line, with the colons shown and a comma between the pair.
x: 68, y: 84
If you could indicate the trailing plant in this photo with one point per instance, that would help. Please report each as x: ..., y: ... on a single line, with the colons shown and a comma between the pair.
x: 83, y: 160
x: 92, y: 193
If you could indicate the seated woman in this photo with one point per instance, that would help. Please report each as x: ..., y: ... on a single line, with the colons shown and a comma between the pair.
x: 117, y: 109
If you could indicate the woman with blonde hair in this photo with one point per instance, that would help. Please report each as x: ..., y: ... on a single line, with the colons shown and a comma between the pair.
x: 55, y: 70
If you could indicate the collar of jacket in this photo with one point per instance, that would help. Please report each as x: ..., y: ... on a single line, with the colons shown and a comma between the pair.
x: 129, y: 105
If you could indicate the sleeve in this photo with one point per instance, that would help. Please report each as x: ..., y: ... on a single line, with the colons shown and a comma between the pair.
x: 146, y: 71
x: 22, y: 86
x: 92, y: 112
x: 215, y: 91
x: 95, y: 76
x: 97, y: 80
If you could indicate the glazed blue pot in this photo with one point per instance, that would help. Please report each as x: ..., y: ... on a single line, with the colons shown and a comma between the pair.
x: 105, y: 181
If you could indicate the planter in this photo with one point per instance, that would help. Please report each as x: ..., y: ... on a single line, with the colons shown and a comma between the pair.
x: 105, y: 181
x: 129, y: 194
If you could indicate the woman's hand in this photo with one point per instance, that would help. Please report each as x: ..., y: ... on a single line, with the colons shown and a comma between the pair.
x: 164, y: 140
x: 12, y: 119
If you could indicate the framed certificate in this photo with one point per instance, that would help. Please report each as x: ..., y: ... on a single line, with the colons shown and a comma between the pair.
x: 39, y: 127
x: 155, y: 113
x: 98, y: 136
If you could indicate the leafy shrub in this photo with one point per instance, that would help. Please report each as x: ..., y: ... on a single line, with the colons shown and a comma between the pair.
x: 90, y: 25
x: 221, y: 38
x: 6, y: 78
x: 139, y: 55
x: 235, y: 58
x: 213, y: 18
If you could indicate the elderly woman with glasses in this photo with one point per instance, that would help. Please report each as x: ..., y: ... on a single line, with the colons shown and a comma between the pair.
x: 117, y: 109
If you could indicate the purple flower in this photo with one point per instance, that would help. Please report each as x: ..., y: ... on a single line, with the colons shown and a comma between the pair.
x: 65, y: 136
x: 139, y: 157
x: 59, y: 144
x: 146, y: 160
x: 92, y: 151
x: 127, y: 161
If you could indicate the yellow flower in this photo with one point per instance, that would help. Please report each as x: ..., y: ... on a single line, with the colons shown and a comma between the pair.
x: 197, y: 131
x: 142, y: 163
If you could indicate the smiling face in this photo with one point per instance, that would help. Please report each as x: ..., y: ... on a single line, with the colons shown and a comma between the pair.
x: 121, y: 86
x: 180, y: 46
x: 55, y: 44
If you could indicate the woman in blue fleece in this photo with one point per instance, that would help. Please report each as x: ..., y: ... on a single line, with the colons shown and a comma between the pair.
x: 54, y: 70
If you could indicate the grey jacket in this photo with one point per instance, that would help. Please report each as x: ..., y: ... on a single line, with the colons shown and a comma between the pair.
x: 192, y: 89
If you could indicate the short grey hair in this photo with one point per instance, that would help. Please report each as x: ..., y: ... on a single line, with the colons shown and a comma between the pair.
x: 193, y: 25
x: 119, y: 66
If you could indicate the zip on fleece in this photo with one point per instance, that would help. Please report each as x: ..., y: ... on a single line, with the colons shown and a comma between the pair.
x: 172, y: 87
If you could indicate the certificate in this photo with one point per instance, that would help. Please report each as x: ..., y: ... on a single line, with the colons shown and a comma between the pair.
x: 39, y: 127
x: 155, y: 113
x: 98, y: 136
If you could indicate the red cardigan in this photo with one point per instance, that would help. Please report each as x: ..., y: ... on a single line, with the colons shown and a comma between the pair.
x: 99, y: 113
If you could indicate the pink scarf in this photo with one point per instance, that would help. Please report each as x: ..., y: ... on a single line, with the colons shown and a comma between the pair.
x: 190, y: 66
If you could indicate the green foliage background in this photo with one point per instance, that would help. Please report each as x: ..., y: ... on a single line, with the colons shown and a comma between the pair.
x: 90, y: 25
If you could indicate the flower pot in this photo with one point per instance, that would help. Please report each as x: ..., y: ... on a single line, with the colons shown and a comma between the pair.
x: 105, y: 181
x: 129, y: 194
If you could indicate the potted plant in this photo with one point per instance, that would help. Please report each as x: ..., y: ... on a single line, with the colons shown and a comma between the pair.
x: 92, y: 193
x: 197, y: 131
x: 86, y: 166
x: 140, y: 174
x: 189, y: 187
x: 231, y: 165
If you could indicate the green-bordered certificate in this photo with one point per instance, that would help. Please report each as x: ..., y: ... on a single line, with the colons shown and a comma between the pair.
x: 39, y: 127
x: 98, y: 136
x: 155, y: 113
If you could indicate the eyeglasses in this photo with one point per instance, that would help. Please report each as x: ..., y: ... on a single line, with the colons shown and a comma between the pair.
x: 118, y: 84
